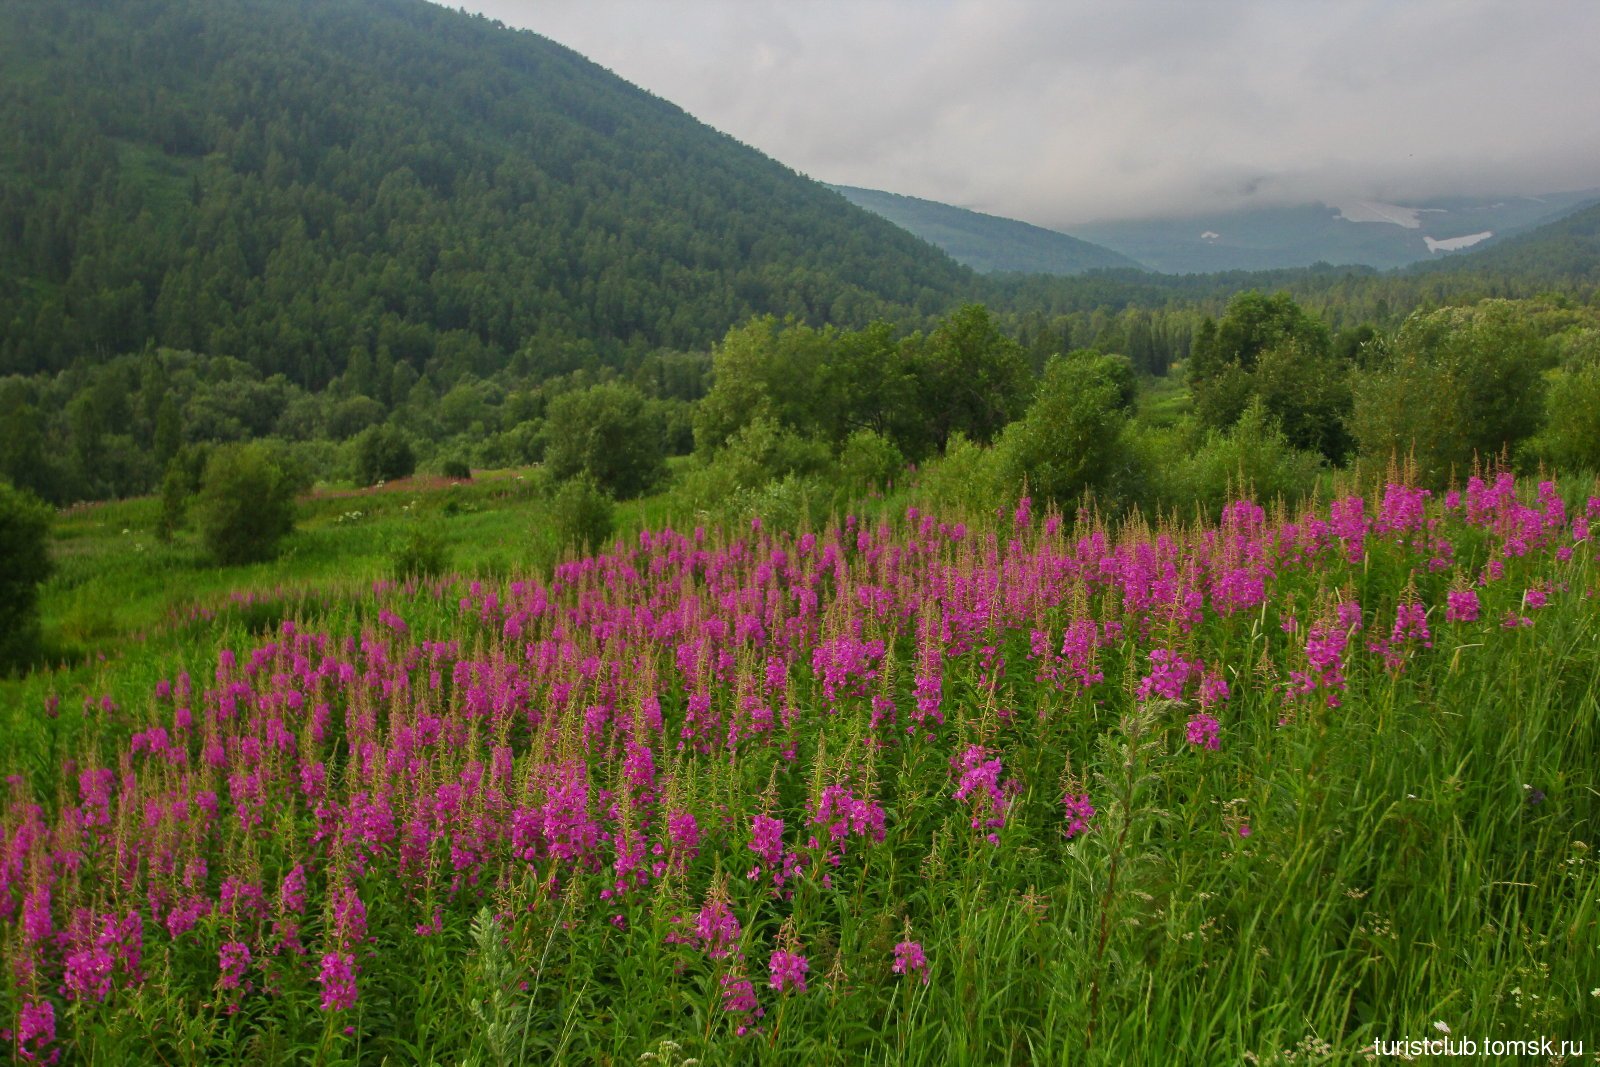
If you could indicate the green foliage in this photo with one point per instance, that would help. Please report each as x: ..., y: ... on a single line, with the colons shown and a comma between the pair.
x: 1252, y: 457
x: 24, y: 564
x: 382, y: 454
x: 582, y: 514
x: 23, y: 458
x: 1070, y: 439
x: 760, y: 453
x: 518, y: 446
x: 971, y: 377
x: 1459, y: 386
x: 869, y: 462
x: 182, y: 480
x: 176, y: 490
x: 1269, y: 347
x: 608, y: 434
x: 869, y: 382
x: 422, y: 550
x: 737, y: 396
x: 791, y: 502
x: 168, y: 432
x: 967, y: 479
x: 1570, y: 439
x: 352, y: 416
x: 457, y: 469
x: 1307, y: 390
x: 296, y: 192
x: 825, y: 384
x: 245, y: 506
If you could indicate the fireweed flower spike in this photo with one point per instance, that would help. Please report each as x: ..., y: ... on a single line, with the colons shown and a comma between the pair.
x: 909, y: 960
x: 788, y: 971
x: 1204, y: 731
x: 591, y: 734
x: 1461, y: 605
x: 338, y: 979
x: 1078, y: 812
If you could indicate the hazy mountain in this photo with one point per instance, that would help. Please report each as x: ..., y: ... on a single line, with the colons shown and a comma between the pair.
x: 294, y: 183
x: 1372, y: 233
x: 1560, y: 253
x: 988, y: 243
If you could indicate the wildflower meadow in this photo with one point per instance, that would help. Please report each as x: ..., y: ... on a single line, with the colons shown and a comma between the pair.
x: 1010, y: 788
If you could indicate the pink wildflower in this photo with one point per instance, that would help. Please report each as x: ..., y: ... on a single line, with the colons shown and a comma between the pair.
x: 1204, y: 731
x: 36, y: 1030
x: 788, y: 970
x: 1461, y: 605
x: 338, y: 979
x: 234, y: 962
x: 909, y: 960
x: 1079, y: 812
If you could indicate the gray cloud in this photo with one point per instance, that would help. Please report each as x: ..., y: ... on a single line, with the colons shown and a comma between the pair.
x: 1060, y: 113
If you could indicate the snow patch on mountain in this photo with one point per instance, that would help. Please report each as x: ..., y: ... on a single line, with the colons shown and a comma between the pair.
x: 1377, y: 211
x: 1453, y: 244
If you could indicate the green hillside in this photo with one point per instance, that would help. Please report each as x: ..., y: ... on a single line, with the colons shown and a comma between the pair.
x: 988, y: 243
x: 292, y: 183
x: 1561, y: 253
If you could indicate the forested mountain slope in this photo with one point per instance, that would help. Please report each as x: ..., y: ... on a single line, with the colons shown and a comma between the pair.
x: 988, y: 243
x: 1562, y: 253
x: 292, y: 184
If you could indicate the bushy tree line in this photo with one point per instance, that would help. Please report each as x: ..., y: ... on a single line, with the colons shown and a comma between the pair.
x: 799, y: 418
x: 111, y: 429
x: 798, y: 421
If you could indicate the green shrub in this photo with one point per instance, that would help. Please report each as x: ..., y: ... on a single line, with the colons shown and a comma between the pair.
x: 383, y: 454
x: 245, y: 506
x: 422, y: 551
x: 788, y: 503
x: 457, y: 469
x: 1459, y: 385
x: 759, y: 453
x: 185, y: 471
x: 1251, y: 458
x: 1070, y: 439
x: 869, y: 462
x: 966, y: 479
x: 1570, y: 440
x: 607, y: 433
x: 516, y: 447
x: 581, y: 514
x: 24, y: 563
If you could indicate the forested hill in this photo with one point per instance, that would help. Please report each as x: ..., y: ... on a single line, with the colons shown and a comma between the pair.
x: 304, y: 184
x: 989, y: 243
x: 1560, y: 254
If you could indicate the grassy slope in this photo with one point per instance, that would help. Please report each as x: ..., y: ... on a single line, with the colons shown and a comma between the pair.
x: 1400, y: 869
x: 117, y: 589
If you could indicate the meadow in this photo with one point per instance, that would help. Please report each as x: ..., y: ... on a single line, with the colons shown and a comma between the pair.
x: 910, y: 788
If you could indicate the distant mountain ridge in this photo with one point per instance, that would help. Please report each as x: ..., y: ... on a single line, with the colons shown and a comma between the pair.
x: 1376, y: 234
x: 1369, y: 233
x: 988, y: 243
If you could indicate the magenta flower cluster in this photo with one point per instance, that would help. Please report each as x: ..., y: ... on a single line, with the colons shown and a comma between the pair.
x: 909, y: 960
x: 266, y: 813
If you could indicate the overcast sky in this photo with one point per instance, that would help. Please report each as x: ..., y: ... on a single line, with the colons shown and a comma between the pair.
x: 1067, y: 112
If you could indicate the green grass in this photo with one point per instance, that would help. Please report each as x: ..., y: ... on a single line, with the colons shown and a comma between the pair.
x: 1400, y: 868
x: 1164, y: 402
